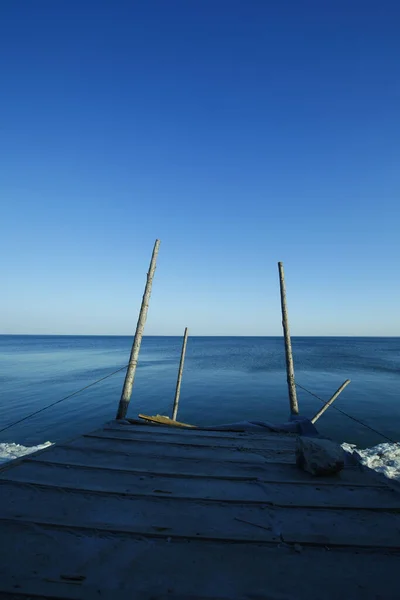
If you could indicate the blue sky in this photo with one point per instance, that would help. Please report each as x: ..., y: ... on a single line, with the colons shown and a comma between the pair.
x: 240, y: 133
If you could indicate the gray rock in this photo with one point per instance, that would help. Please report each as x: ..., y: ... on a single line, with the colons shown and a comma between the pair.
x: 318, y: 456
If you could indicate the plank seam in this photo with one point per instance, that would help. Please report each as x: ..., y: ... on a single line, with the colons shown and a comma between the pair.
x: 203, y: 538
x: 234, y: 448
x: 171, y: 474
x: 188, y: 499
x: 195, y: 459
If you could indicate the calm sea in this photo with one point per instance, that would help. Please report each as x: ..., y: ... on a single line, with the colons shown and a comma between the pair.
x: 225, y: 379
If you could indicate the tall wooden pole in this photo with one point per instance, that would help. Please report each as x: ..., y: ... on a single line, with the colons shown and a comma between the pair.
x: 130, y: 374
x: 330, y: 401
x: 179, y: 380
x: 294, y: 408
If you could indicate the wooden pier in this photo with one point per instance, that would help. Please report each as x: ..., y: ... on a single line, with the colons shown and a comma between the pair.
x: 149, y: 511
x: 165, y: 511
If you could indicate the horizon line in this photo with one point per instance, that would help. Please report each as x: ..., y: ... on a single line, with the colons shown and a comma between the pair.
x: 193, y: 336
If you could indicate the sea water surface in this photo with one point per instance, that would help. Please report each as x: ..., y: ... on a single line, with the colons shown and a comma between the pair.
x: 225, y: 379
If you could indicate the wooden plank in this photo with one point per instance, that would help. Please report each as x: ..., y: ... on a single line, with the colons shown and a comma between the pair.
x: 245, y: 492
x: 164, y: 420
x: 150, y: 464
x: 124, y: 567
x: 193, y: 440
x: 168, y: 518
x: 198, y: 433
x: 177, y: 467
x: 37, y: 588
x: 141, y: 427
x: 187, y: 452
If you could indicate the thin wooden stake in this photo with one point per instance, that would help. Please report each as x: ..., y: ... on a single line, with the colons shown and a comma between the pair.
x: 180, y: 371
x: 294, y: 408
x: 130, y: 374
x: 330, y: 401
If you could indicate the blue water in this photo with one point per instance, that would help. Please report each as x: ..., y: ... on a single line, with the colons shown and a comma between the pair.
x: 225, y: 379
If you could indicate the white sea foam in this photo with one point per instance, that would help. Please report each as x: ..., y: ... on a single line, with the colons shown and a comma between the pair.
x: 384, y: 458
x: 10, y: 451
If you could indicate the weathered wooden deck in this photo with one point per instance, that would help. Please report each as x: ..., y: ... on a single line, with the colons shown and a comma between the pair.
x: 141, y: 511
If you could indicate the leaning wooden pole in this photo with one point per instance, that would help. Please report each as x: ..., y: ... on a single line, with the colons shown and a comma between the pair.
x: 294, y: 408
x: 179, y: 380
x: 130, y: 374
x: 330, y: 401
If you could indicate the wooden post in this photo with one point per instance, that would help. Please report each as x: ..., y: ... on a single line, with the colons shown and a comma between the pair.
x: 130, y: 374
x: 330, y: 401
x: 180, y: 371
x: 294, y: 408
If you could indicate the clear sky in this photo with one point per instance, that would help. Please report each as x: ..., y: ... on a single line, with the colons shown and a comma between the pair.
x: 240, y: 133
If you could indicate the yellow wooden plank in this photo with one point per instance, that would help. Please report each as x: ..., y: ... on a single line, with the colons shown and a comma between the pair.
x: 162, y: 420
